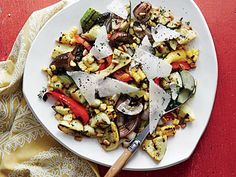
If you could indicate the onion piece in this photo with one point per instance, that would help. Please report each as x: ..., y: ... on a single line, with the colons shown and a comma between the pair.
x: 128, y: 127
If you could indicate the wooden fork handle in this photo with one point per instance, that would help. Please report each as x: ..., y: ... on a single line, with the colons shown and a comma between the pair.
x: 119, y: 164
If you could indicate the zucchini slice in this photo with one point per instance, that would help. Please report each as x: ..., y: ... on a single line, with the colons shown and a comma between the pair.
x: 89, y: 19
x: 110, y: 139
x: 188, y: 80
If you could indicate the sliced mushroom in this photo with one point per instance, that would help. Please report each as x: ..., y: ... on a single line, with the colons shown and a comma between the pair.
x: 63, y: 62
x: 138, y: 30
x: 142, y: 11
x: 129, y: 126
x: 128, y: 108
x: 120, y: 37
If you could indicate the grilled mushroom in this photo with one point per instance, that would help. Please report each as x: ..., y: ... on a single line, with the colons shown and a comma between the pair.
x: 120, y: 37
x: 130, y: 108
x: 129, y: 125
x: 142, y: 11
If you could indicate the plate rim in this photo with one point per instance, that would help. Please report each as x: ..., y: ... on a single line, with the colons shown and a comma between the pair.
x: 125, y: 168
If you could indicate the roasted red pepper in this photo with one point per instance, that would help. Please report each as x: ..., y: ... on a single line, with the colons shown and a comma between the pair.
x: 75, y: 107
x: 107, y: 63
x: 157, y: 80
x: 122, y: 76
x: 180, y: 65
x: 82, y: 41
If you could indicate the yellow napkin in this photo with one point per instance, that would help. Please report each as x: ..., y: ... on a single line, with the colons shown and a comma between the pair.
x: 25, y: 148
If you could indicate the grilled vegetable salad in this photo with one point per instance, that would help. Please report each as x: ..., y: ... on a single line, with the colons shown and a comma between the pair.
x: 120, y: 73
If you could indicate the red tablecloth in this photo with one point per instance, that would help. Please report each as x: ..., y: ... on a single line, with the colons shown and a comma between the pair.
x: 216, y: 152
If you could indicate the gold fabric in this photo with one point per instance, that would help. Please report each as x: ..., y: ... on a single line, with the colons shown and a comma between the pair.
x: 25, y: 148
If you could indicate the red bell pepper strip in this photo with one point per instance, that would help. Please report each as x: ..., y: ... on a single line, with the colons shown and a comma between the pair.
x: 107, y: 63
x: 122, y: 76
x: 169, y: 116
x: 102, y: 66
x: 82, y: 41
x: 75, y: 107
x: 157, y: 80
x: 180, y: 65
x: 109, y: 59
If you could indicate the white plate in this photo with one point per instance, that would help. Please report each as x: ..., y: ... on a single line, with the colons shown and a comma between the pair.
x: 183, y: 144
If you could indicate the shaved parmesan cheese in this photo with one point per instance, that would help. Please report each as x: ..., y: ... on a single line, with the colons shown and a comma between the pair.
x: 87, y: 84
x: 161, y: 33
x: 118, y: 7
x: 158, y: 102
x: 146, y: 45
x: 101, y: 48
x: 110, y: 87
x: 152, y: 66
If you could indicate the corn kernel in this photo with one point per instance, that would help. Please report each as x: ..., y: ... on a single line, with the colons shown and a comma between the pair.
x: 146, y: 97
x: 144, y: 86
x: 93, y: 68
x: 134, y: 45
x: 82, y: 66
x: 72, y: 63
x: 96, y: 111
x: 53, y: 67
x: 141, y: 74
x: 120, y: 48
x: 58, y: 116
x: 96, y: 103
x: 176, y: 121
x: 49, y: 71
x: 103, y: 107
x: 44, y: 69
x: 54, y: 79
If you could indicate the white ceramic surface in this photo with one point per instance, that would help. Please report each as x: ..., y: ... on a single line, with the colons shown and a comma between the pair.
x: 183, y: 144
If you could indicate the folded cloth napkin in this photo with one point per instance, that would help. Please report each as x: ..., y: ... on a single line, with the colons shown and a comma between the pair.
x: 25, y: 148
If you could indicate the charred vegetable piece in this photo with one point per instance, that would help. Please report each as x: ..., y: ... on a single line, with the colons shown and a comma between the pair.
x: 156, y: 147
x: 89, y: 19
x: 120, y: 37
x: 63, y: 62
x: 71, y: 127
x: 142, y: 11
x: 104, y: 19
x: 129, y: 126
x: 110, y: 138
x: 100, y: 120
x: 64, y: 126
x: 78, y: 52
x: 75, y: 107
x: 89, y: 131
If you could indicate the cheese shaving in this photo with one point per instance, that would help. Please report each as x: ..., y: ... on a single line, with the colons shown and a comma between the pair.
x: 158, y: 102
x: 152, y: 65
x: 101, y: 47
x: 87, y: 84
x: 118, y: 7
x: 161, y: 33
x: 110, y: 87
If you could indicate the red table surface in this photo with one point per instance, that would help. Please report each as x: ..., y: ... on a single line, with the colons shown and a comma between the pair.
x: 216, y: 152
